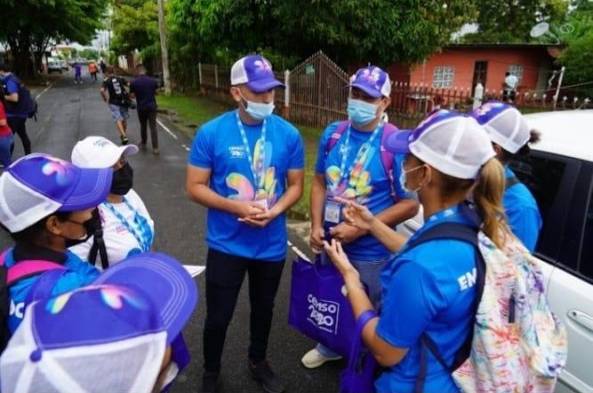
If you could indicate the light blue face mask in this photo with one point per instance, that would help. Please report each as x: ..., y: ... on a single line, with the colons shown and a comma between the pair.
x: 258, y: 110
x: 361, y: 112
x: 403, y: 180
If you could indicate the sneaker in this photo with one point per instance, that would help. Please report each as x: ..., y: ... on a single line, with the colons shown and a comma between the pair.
x: 156, y: 152
x: 209, y: 382
x: 124, y: 140
x: 314, y: 359
x: 263, y: 374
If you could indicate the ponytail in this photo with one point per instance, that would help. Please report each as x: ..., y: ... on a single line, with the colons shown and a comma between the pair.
x: 488, y: 194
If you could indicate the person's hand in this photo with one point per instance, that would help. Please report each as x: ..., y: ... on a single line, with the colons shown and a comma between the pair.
x: 340, y: 260
x: 316, y: 239
x: 357, y: 215
x: 247, y: 209
x: 346, y: 233
x: 261, y: 219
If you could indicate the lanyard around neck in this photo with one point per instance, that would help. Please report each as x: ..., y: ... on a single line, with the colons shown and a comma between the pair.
x: 257, y: 167
x: 361, y: 156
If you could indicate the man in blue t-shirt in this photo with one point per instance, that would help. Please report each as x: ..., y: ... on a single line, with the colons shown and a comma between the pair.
x: 354, y: 167
x: 144, y: 88
x: 16, y: 114
x: 246, y: 167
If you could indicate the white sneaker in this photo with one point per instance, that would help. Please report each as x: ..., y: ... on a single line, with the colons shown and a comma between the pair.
x: 314, y: 359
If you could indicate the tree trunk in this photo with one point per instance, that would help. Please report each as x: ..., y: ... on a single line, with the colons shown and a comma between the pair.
x: 164, y: 53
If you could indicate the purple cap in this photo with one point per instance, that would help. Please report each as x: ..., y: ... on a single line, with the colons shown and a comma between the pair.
x: 488, y: 111
x: 373, y: 81
x: 38, y: 185
x: 256, y: 72
x: 170, y: 289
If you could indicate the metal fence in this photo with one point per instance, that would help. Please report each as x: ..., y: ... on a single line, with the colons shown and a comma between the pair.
x: 316, y: 94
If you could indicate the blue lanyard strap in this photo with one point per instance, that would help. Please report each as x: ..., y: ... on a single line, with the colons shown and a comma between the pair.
x: 257, y: 168
x: 361, y: 155
x: 142, y: 234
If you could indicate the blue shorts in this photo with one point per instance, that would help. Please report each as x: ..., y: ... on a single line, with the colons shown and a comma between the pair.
x: 119, y: 113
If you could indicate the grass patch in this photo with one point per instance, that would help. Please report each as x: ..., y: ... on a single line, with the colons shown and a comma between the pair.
x: 194, y: 111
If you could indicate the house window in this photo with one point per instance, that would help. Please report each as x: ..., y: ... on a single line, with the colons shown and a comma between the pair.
x: 517, y: 70
x: 442, y: 77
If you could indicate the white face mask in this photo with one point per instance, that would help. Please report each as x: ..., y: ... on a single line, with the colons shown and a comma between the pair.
x: 258, y: 110
x: 403, y: 180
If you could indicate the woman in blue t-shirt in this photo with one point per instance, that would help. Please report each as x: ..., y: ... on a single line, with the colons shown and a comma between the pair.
x: 511, y: 137
x: 428, y: 289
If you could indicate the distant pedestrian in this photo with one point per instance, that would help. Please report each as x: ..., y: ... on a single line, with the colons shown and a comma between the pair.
x: 93, y: 70
x: 114, y: 92
x: 510, y: 87
x: 16, y: 108
x: 6, y: 137
x: 144, y: 88
x: 77, y: 73
x: 102, y: 66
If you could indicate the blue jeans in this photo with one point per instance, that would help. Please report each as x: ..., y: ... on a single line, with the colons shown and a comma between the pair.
x: 370, y: 275
x: 6, y: 143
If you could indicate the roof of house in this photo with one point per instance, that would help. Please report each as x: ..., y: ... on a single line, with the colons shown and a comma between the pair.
x: 503, y: 45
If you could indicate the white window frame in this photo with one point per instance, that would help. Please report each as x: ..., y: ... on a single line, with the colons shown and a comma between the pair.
x: 517, y: 70
x: 443, y: 77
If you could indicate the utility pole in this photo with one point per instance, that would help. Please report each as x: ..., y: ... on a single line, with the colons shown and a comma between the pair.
x: 164, y: 53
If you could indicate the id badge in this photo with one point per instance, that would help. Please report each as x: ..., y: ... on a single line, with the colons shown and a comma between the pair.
x: 263, y: 203
x: 332, y: 212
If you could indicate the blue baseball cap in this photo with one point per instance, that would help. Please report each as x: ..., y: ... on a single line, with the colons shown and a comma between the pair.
x: 38, y: 185
x: 373, y: 81
x: 118, y: 328
x: 256, y: 72
x: 451, y: 142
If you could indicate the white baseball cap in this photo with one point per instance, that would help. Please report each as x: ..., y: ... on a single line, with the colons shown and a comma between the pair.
x: 505, y: 125
x: 99, y: 152
x: 452, y: 143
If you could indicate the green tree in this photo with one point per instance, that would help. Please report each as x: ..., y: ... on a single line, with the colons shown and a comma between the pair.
x: 510, y: 21
x: 29, y: 26
x: 135, y: 27
x: 350, y: 31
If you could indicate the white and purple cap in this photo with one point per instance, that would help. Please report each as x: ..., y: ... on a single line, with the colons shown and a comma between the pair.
x: 256, y: 72
x: 452, y: 143
x: 373, y: 81
x: 110, y: 336
x: 505, y: 125
x: 38, y: 185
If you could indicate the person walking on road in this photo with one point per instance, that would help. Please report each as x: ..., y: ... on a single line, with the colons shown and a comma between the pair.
x: 143, y: 88
x: 16, y: 110
x: 77, y: 73
x: 126, y: 226
x: 6, y: 137
x: 246, y: 167
x: 114, y: 93
x: 102, y: 66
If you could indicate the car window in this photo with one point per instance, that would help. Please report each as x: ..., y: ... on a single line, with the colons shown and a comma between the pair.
x: 586, y: 262
x: 552, y: 180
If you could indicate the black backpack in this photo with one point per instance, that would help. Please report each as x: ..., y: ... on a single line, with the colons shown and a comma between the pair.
x: 26, y: 103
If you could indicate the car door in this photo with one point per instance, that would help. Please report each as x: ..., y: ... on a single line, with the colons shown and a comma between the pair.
x: 562, y: 187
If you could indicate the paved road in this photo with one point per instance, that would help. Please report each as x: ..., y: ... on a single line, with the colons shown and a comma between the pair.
x: 71, y: 112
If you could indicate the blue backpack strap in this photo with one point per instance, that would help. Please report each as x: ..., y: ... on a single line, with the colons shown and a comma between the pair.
x: 467, y: 234
x: 43, y: 287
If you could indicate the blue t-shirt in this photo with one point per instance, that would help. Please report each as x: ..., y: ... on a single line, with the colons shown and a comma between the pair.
x: 522, y: 212
x: 144, y: 87
x: 11, y: 85
x: 428, y: 289
x: 218, y: 146
x: 373, y: 188
x: 78, y: 274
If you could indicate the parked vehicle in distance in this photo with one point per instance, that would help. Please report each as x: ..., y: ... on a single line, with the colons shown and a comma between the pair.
x: 54, y: 66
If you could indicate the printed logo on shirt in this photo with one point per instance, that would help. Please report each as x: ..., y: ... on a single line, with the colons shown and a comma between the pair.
x: 17, y: 309
x: 237, y: 151
x: 467, y: 280
x: 323, y: 314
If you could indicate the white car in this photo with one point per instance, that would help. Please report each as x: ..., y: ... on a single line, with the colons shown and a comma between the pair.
x: 559, y: 173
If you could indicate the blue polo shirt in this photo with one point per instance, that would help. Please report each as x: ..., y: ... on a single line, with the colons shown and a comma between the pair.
x: 218, y: 146
x: 11, y: 85
x: 522, y: 212
x: 144, y: 88
x: 427, y: 289
x: 373, y: 190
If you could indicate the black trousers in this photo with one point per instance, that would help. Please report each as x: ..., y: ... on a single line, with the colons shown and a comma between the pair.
x: 224, y: 276
x: 148, y: 116
x: 17, y: 125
